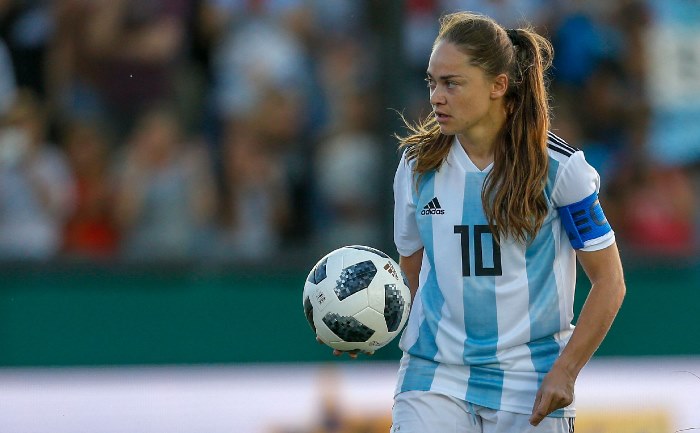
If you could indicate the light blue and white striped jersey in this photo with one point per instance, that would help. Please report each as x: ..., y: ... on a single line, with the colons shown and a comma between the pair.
x: 488, y: 320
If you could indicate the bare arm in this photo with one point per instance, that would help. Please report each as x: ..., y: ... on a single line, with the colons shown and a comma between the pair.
x: 411, y: 268
x: 604, y: 270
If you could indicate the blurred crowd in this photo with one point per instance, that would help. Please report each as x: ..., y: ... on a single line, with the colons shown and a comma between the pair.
x: 238, y: 130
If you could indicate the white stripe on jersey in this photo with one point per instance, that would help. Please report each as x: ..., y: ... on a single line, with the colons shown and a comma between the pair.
x: 449, y: 338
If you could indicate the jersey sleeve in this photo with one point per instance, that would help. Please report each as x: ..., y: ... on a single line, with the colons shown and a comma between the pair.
x: 575, y: 195
x: 406, y: 235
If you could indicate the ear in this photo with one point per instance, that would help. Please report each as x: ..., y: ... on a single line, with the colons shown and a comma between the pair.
x: 499, y: 86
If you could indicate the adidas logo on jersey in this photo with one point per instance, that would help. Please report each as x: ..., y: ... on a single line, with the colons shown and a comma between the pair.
x: 433, y: 208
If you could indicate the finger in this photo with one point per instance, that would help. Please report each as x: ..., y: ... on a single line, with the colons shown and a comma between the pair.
x: 337, y: 352
x: 538, y: 398
x: 540, y: 410
x: 537, y: 417
x: 318, y: 340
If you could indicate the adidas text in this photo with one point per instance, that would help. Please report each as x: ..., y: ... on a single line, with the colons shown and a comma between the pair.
x: 432, y: 212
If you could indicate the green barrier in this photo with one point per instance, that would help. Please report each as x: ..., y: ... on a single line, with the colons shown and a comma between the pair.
x: 65, y: 316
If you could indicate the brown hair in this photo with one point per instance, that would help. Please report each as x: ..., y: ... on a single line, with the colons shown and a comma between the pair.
x: 513, y: 192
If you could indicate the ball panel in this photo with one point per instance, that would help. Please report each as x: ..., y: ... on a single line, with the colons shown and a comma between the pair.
x: 393, y: 307
x: 319, y: 298
x: 375, y: 319
x: 309, y: 313
x: 375, y: 295
x: 318, y: 273
x: 322, y: 331
x: 372, y: 319
x: 348, y: 328
x: 355, y: 278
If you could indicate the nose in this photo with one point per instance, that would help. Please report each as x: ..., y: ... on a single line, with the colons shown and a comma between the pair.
x: 437, y: 97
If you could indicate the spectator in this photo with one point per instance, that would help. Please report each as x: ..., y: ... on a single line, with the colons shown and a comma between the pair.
x: 348, y: 168
x: 253, y: 56
x: 36, y: 189
x: 581, y: 39
x: 165, y: 193
x: 257, y: 49
x: 255, y: 204
x: 344, y: 63
x: 655, y: 207
x: 73, y: 63
x: 136, y: 48
x: 90, y: 232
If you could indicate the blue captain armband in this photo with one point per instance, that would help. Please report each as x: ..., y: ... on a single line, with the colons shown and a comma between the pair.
x: 584, y: 220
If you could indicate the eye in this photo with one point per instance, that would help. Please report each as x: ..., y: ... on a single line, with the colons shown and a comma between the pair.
x: 430, y: 83
x: 451, y: 84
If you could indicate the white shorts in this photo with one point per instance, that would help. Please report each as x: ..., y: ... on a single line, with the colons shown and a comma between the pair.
x: 430, y: 412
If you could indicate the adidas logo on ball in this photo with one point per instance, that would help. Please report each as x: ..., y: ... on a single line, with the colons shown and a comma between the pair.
x: 391, y: 270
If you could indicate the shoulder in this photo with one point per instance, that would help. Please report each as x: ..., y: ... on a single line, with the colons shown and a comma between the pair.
x: 571, y: 177
x: 564, y: 159
x: 558, y: 149
x: 407, y: 164
x: 404, y: 171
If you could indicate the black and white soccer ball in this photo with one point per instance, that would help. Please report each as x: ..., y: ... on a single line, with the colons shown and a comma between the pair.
x: 356, y: 298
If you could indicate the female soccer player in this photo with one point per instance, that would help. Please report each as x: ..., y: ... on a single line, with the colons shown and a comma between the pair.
x: 491, y: 211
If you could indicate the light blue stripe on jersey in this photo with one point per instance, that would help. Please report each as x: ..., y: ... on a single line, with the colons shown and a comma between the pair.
x: 485, y: 384
x: 544, y: 298
x: 421, y: 366
x: 544, y: 304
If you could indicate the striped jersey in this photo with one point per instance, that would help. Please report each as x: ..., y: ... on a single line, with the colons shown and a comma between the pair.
x: 488, y: 319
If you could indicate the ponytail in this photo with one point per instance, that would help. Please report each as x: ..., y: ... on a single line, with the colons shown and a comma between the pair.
x: 513, y: 194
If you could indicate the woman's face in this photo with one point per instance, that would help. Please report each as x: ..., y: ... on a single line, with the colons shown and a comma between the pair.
x: 463, y: 97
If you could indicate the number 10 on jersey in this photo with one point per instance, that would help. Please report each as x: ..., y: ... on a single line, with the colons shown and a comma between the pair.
x: 481, y: 234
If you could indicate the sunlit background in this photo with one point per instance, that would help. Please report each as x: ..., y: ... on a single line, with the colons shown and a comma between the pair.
x: 170, y: 170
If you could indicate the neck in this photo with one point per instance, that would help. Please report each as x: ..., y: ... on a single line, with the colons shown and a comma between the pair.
x: 479, y: 147
x: 479, y: 142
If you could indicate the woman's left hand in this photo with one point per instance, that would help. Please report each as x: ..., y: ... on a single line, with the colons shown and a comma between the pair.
x: 556, y: 392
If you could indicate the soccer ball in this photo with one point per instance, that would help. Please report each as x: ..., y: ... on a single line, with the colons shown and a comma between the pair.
x: 356, y: 298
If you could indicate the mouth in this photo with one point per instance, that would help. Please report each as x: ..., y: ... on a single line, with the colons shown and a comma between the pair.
x: 441, y: 117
